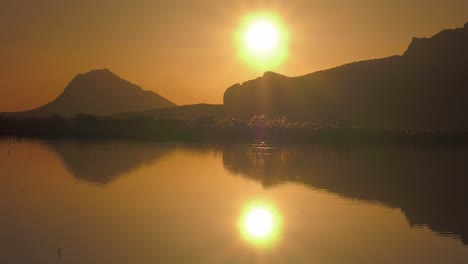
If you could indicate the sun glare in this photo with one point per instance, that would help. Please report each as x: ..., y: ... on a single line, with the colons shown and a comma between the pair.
x: 262, y: 37
x: 262, y: 41
x: 259, y: 224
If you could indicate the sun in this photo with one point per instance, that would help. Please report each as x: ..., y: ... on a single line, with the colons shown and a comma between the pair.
x: 262, y: 37
x: 262, y: 41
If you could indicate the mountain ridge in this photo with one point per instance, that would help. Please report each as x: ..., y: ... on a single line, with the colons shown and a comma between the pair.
x: 98, y: 92
x: 422, y: 89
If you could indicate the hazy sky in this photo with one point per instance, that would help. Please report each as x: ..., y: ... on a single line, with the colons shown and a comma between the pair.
x: 185, y: 50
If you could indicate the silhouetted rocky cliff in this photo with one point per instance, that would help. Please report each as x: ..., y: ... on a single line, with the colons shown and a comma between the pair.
x: 99, y: 92
x: 425, y: 88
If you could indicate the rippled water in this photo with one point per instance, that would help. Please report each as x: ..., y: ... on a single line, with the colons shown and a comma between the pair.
x: 133, y: 202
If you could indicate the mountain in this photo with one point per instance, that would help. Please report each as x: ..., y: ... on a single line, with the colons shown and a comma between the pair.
x: 99, y: 92
x: 425, y: 88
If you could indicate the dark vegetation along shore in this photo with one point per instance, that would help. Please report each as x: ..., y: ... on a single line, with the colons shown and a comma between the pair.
x: 208, y: 129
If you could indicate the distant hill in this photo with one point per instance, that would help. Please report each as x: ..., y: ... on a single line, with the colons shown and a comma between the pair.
x: 425, y: 88
x: 184, y: 112
x: 98, y: 92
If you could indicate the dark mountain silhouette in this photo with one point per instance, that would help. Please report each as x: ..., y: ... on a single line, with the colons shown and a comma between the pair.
x: 184, y: 112
x: 98, y: 92
x: 425, y: 88
x: 101, y: 162
x: 428, y: 184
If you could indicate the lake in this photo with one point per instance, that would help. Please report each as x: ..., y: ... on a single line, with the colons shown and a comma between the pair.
x: 140, y: 202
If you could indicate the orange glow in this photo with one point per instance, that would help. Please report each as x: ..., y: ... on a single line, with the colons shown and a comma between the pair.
x: 260, y: 224
x: 262, y: 41
x: 186, y: 52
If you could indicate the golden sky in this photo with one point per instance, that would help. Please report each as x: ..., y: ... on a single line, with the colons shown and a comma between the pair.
x: 186, y: 50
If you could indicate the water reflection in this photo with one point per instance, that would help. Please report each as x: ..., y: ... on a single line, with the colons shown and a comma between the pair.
x: 101, y: 162
x: 204, y: 204
x: 260, y: 224
x: 429, y: 185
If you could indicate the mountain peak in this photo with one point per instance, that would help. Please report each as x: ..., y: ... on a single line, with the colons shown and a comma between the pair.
x: 94, y: 81
x: 98, y: 73
x: 270, y: 74
x: 101, y: 92
x: 448, y: 42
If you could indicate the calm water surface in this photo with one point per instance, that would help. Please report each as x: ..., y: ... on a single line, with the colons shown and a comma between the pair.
x: 129, y: 202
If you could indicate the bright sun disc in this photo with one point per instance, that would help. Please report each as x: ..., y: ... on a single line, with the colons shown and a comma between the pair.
x: 262, y: 41
x: 262, y: 37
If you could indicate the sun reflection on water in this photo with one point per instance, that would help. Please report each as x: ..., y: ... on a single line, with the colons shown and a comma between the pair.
x: 260, y: 223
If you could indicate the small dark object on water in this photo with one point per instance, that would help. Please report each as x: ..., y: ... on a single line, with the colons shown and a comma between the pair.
x: 59, y: 252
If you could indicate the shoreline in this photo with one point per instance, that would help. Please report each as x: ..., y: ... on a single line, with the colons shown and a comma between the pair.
x: 92, y: 128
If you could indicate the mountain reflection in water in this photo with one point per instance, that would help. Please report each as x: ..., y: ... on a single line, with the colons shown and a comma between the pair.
x: 429, y: 185
x: 101, y: 162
